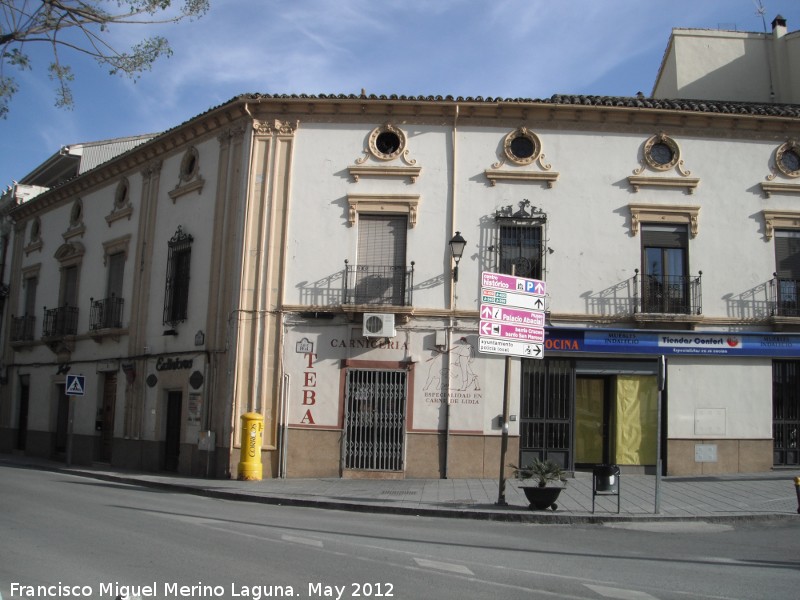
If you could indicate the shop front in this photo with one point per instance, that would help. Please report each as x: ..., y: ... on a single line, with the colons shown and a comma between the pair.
x: 701, y: 402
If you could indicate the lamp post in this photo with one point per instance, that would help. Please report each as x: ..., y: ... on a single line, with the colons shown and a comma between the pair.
x: 457, y: 245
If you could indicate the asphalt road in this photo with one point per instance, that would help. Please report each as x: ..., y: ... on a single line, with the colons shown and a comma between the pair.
x: 88, y: 538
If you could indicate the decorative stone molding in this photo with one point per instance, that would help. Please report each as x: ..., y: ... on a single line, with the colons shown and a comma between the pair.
x: 76, y: 226
x: 358, y: 171
x: 779, y: 219
x: 638, y: 181
x: 122, y: 203
x: 189, y: 178
x: 650, y: 213
x: 496, y: 175
x: 182, y: 190
x: 785, y: 158
x: 275, y: 126
x: 35, y: 242
x: 115, y: 247
x: 661, y: 153
x: 383, y: 203
x: 521, y: 147
x: 386, y: 143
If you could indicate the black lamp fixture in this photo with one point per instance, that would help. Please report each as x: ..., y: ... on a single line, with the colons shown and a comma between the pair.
x: 457, y: 245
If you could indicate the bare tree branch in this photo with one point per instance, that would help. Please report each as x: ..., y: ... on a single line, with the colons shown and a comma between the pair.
x: 24, y: 22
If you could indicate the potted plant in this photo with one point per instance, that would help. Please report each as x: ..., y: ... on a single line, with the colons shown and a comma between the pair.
x: 542, y: 472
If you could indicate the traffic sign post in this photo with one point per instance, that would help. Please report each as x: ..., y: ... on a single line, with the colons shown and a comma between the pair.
x: 512, y: 323
x: 75, y: 386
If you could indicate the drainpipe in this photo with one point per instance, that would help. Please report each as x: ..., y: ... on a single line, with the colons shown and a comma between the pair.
x: 451, y: 323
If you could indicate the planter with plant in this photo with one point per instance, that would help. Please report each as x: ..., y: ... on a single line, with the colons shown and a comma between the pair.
x: 541, y: 472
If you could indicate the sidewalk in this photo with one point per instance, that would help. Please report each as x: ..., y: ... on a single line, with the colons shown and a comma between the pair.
x: 711, y: 498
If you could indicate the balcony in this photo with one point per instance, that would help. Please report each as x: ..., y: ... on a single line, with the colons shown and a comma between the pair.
x: 784, y: 299
x: 22, y: 328
x: 106, y: 313
x: 668, y: 298
x: 370, y: 285
x: 60, y: 322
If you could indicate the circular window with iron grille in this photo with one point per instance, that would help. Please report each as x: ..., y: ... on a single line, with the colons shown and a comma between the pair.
x: 521, y: 146
x: 661, y: 152
x: 387, y: 142
x: 787, y: 158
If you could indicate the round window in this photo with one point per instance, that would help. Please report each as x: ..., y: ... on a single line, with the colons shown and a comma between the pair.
x: 788, y: 159
x: 661, y: 152
x: 521, y: 146
x: 387, y: 142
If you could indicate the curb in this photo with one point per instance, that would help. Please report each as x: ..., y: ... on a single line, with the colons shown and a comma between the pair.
x: 509, y: 515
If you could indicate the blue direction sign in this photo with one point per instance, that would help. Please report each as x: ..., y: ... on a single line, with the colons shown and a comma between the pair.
x: 76, y: 385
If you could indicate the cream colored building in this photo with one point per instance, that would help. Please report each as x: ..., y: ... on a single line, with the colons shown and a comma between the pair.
x: 232, y: 263
x: 732, y: 65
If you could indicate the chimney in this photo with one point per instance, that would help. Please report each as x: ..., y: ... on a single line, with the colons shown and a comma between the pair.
x: 778, y: 27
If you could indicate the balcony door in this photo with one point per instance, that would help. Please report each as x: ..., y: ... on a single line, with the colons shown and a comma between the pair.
x: 665, y: 284
x: 787, y: 271
x: 381, y: 260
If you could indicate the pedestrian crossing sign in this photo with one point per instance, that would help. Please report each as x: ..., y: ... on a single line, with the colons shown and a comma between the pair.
x: 75, y: 385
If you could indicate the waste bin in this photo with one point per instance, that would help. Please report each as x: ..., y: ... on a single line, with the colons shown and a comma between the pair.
x: 606, y: 478
x: 605, y: 482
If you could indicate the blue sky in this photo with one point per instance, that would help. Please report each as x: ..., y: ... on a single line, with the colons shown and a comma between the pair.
x: 503, y: 48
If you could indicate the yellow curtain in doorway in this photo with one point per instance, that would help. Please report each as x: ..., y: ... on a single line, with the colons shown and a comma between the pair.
x: 589, y: 420
x: 637, y: 420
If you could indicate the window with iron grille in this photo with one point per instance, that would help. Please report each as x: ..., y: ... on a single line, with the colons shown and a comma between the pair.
x: 176, y: 294
x: 520, y: 250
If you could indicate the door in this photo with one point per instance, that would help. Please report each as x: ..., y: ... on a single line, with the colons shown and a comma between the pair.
x: 22, y: 422
x: 172, y: 437
x: 107, y: 423
x: 591, y: 421
x: 62, y: 420
x: 786, y: 413
x: 546, y: 401
x: 374, y: 432
x: 665, y: 284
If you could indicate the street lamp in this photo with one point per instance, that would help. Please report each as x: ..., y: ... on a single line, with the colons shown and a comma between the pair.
x: 457, y: 245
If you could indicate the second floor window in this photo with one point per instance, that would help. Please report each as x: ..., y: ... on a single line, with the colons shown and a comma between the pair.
x: 787, y: 272
x: 520, y: 250
x: 176, y: 295
x: 380, y: 276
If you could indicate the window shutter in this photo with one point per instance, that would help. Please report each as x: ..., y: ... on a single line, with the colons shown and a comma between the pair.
x: 665, y: 236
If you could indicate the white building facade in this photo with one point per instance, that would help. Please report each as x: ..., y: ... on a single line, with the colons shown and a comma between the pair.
x: 289, y: 256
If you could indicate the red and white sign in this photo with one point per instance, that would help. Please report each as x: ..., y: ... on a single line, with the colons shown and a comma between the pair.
x: 512, y: 332
x: 516, y: 316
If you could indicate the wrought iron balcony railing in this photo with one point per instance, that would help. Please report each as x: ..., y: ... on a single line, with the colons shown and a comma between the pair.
x: 378, y: 285
x: 784, y: 297
x: 106, y: 313
x: 669, y: 294
x: 22, y: 328
x: 60, y: 321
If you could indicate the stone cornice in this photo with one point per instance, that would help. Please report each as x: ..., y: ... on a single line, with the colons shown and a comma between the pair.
x: 567, y: 113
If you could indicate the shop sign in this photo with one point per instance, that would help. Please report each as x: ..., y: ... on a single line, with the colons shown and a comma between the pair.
x: 672, y: 343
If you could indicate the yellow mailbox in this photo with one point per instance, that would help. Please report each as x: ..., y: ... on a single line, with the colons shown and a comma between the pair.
x: 250, y: 468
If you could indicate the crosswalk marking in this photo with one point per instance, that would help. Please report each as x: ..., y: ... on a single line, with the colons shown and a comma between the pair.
x: 301, y: 540
x: 442, y: 566
x: 619, y: 593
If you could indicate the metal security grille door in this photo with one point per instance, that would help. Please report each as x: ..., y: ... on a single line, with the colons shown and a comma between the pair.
x: 546, y: 411
x: 375, y: 415
x: 786, y: 412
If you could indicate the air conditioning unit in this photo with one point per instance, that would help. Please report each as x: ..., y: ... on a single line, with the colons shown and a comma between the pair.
x: 379, y: 325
